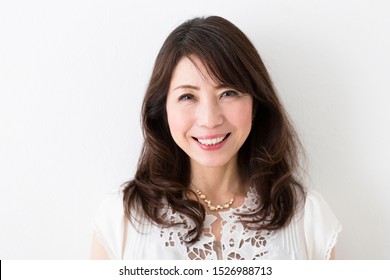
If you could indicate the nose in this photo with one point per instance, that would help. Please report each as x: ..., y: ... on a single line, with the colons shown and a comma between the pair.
x: 209, y: 114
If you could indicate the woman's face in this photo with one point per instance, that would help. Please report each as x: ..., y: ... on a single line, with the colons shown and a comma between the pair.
x: 208, y: 121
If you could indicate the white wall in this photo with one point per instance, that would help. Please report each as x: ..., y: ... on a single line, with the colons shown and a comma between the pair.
x: 72, y: 78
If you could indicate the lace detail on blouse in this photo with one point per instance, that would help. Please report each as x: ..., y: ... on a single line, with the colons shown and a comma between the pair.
x: 237, y: 241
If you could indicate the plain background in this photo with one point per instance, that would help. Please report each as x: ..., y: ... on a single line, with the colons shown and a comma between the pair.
x: 72, y: 79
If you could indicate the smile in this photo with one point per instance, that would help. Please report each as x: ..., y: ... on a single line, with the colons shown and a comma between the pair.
x: 211, y: 141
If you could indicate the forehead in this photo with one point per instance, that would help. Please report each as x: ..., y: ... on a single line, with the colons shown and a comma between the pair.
x: 191, y: 70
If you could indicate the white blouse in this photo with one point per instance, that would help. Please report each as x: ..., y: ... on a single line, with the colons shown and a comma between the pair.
x: 311, y: 234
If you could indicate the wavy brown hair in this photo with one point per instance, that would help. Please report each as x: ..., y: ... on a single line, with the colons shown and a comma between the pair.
x: 268, y: 158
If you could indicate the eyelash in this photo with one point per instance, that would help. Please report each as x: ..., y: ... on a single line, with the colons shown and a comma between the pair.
x: 188, y: 97
x: 230, y: 91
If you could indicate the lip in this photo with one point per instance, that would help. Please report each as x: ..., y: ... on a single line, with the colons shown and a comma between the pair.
x: 213, y: 147
x: 211, y: 136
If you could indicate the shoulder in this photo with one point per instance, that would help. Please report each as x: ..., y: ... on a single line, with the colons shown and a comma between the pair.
x: 112, y: 204
x: 108, y: 222
x: 321, y: 226
x: 316, y: 207
x: 315, y: 200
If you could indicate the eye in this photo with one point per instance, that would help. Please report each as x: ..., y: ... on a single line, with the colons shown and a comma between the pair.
x: 229, y: 93
x: 186, y: 97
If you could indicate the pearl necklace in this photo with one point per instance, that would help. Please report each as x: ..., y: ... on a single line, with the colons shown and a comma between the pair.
x: 214, y: 207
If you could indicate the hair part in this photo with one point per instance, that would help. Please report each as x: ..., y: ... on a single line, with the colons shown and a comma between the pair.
x: 268, y: 157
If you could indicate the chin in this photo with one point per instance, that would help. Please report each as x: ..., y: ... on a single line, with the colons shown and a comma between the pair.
x: 211, y: 163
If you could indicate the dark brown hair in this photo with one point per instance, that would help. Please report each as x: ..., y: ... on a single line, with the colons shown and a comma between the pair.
x: 268, y: 159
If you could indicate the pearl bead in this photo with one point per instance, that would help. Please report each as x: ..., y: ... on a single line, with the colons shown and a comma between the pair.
x: 212, y: 207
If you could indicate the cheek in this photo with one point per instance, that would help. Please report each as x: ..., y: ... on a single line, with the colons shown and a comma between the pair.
x: 241, y: 115
x: 178, y: 122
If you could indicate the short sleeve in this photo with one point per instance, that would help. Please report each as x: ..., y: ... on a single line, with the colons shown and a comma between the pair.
x: 108, y: 224
x: 320, y: 225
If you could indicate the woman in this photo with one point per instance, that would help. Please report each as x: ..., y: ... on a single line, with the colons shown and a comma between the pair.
x: 217, y: 175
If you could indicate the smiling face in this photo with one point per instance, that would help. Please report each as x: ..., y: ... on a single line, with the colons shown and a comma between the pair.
x: 208, y: 121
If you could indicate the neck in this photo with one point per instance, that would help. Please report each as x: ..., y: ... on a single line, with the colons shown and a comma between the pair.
x: 217, y: 183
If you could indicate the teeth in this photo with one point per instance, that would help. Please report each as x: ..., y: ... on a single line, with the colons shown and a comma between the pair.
x: 211, y: 142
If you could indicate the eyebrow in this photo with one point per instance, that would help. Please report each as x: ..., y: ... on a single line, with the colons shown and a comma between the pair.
x: 197, y: 88
x: 187, y: 87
